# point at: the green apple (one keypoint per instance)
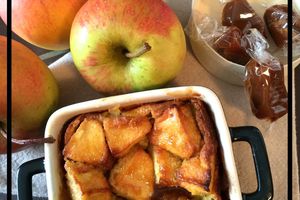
(123, 46)
(34, 93)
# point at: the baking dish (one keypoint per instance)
(52, 165)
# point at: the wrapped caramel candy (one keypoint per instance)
(265, 85)
(264, 80)
(239, 13)
(229, 46)
(276, 19)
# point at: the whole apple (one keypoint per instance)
(124, 46)
(45, 23)
(34, 93)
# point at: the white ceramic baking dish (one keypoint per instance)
(213, 62)
(53, 159)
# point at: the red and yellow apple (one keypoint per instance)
(124, 46)
(45, 23)
(34, 93)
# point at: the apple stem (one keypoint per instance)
(140, 51)
(29, 141)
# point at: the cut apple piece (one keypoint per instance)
(157, 109)
(72, 127)
(175, 132)
(74, 124)
(165, 166)
(123, 132)
(88, 144)
(103, 195)
(204, 122)
(143, 110)
(199, 193)
(199, 175)
(133, 176)
(86, 182)
(144, 142)
(190, 125)
(195, 170)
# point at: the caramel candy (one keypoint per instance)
(276, 19)
(239, 13)
(265, 86)
(229, 46)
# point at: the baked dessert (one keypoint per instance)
(163, 150)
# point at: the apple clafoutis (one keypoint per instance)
(148, 149)
(87, 182)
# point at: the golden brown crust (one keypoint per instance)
(72, 127)
(133, 176)
(123, 132)
(88, 144)
(165, 167)
(174, 132)
(190, 126)
(179, 135)
(74, 124)
(102, 194)
(199, 175)
(86, 181)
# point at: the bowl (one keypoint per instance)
(52, 164)
(213, 62)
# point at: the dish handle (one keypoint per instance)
(25, 173)
(253, 136)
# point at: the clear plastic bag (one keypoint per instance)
(276, 18)
(201, 27)
(229, 46)
(264, 83)
(264, 79)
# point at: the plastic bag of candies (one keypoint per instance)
(240, 37)
(264, 79)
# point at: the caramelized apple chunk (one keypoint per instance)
(123, 132)
(164, 150)
(165, 166)
(199, 174)
(176, 132)
(88, 144)
(72, 127)
(133, 176)
(86, 182)
(142, 110)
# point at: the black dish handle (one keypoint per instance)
(253, 136)
(25, 173)
(247, 133)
